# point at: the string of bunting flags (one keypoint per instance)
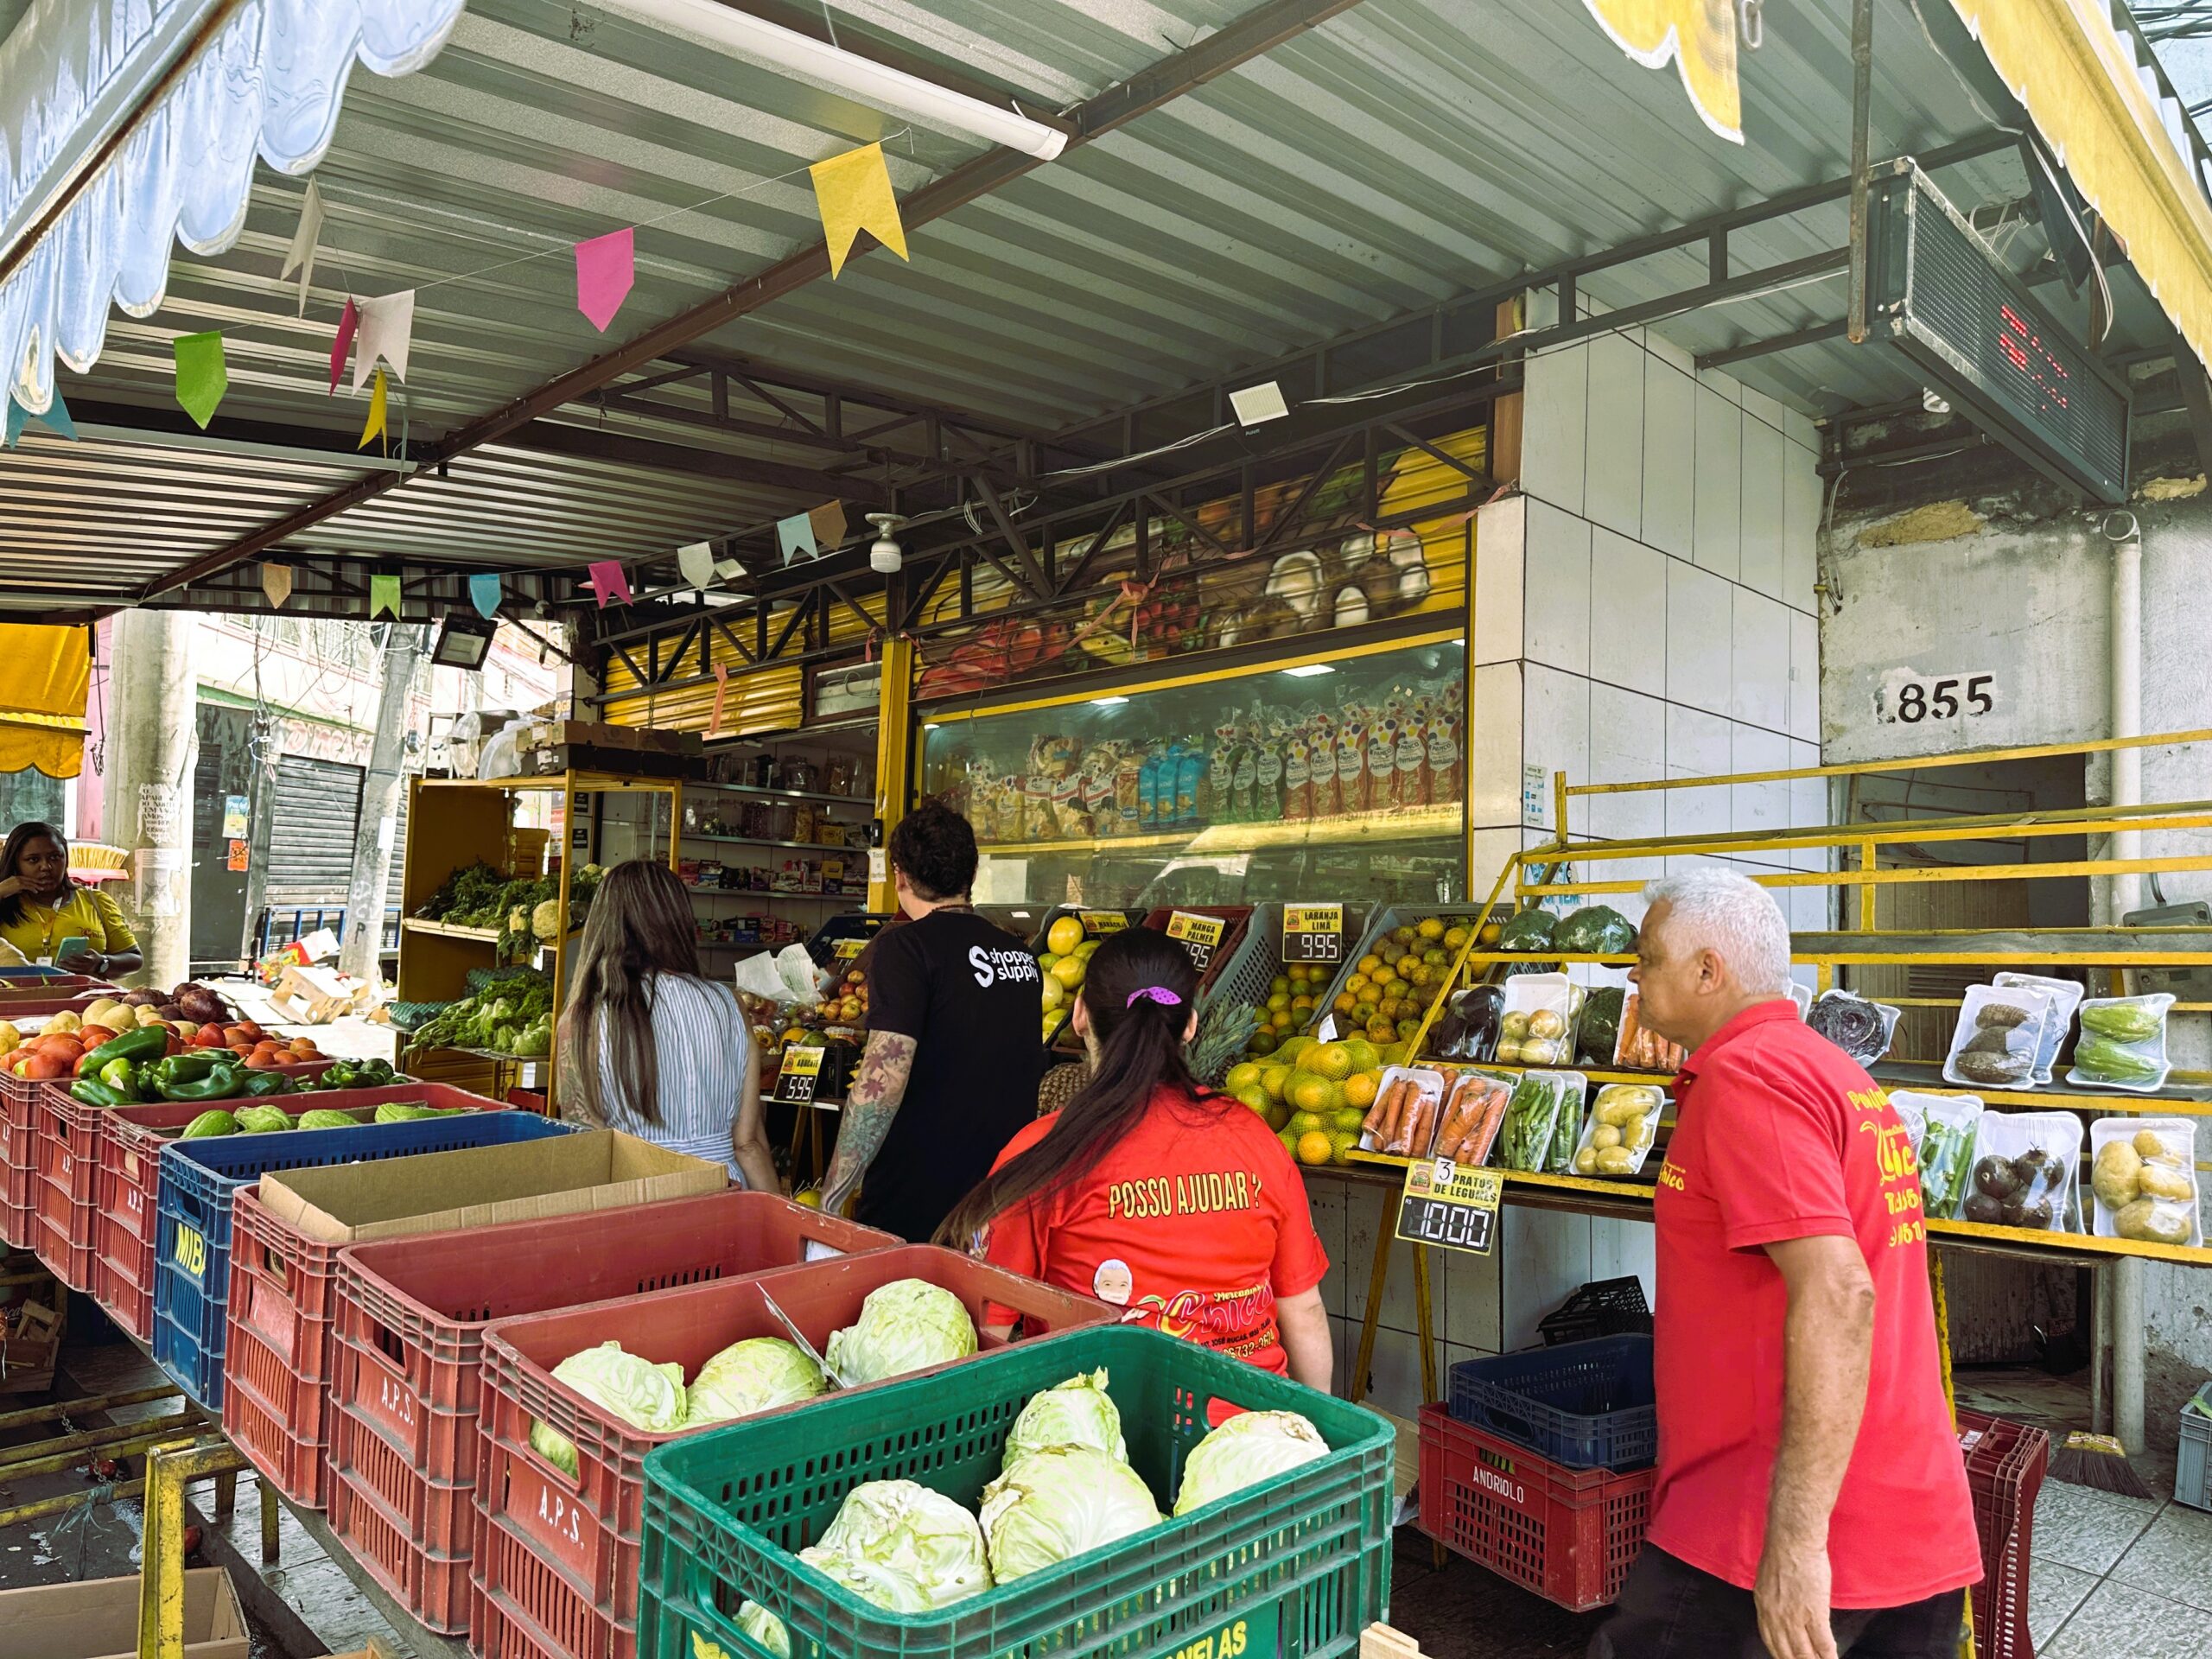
(375, 334)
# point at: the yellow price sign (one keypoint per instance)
(1312, 932)
(1199, 936)
(799, 1074)
(1100, 924)
(1451, 1206)
(846, 950)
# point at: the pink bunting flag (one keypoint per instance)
(348, 321)
(608, 582)
(606, 268)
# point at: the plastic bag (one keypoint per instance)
(1595, 930)
(2143, 1176)
(1623, 1123)
(2065, 998)
(1528, 930)
(1639, 1048)
(2023, 1174)
(1598, 1029)
(1467, 1029)
(1912, 1112)
(1474, 1112)
(1946, 1152)
(1402, 1122)
(1998, 1032)
(2123, 1044)
(1861, 1028)
(1537, 1028)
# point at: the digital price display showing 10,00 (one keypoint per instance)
(1454, 1206)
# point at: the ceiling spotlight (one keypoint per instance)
(884, 555)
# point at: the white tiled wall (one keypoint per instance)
(1662, 561)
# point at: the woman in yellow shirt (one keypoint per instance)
(42, 909)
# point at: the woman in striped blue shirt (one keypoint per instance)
(651, 1047)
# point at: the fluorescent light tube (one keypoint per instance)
(892, 90)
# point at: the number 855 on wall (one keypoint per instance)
(1907, 700)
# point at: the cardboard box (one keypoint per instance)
(483, 1186)
(99, 1619)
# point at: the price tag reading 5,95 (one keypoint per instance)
(1201, 935)
(1454, 1206)
(801, 1071)
(1312, 932)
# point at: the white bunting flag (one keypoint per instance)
(387, 330)
(300, 256)
(696, 561)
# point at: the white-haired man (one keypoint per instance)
(1810, 1500)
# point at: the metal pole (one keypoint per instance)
(2121, 530)
(81, 1407)
(1862, 99)
(160, 1560)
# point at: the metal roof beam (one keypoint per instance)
(1259, 31)
(581, 443)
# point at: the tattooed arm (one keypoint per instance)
(870, 1104)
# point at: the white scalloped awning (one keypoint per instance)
(270, 84)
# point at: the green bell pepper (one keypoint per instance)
(91, 1091)
(189, 1066)
(147, 1043)
(262, 1083)
(221, 1081)
(122, 1075)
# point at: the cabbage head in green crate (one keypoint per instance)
(883, 1587)
(644, 1395)
(904, 1326)
(758, 1374)
(920, 1533)
(1251, 1447)
(1056, 1503)
(1078, 1412)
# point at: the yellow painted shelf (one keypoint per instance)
(450, 930)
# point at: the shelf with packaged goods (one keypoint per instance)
(2193, 1098)
(755, 841)
(762, 792)
(763, 892)
(1413, 823)
(1585, 1195)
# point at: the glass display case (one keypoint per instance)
(1338, 778)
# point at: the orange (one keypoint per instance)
(1332, 1061)
(1310, 1092)
(1257, 1098)
(1290, 1141)
(1274, 1080)
(1359, 1091)
(1345, 1003)
(1313, 1147)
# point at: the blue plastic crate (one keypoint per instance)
(1587, 1404)
(192, 1245)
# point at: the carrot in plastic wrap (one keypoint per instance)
(1462, 1109)
(1417, 1126)
(1378, 1121)
(1475, 1148)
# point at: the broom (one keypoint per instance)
(2097, 1461)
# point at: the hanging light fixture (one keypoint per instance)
(883, 554)
(874, 84)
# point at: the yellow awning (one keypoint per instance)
(44, 673)
(2078, 81)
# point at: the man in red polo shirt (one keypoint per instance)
(1810, 1500)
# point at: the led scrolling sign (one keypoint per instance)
(1975, 334)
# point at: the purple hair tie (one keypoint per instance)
(1159, 994)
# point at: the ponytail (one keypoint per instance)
(1137, 997)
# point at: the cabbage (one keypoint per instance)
(921, 1534)
(1244, 1450)
(903, 1325)
(1078, 1412)
(641, 1393)
(755, 1375)
(886, 1587)
(1058, 1502)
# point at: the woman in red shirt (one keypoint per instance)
(1176, 1205)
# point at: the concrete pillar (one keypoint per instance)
(152, 745)
(2123, 894)
(375, 833)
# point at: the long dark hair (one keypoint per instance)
(11, 907)
(640, 924)
(1139, 1049)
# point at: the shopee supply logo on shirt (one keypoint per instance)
(1014, 967)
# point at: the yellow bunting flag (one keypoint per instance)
(1699, 35)
(276, 582)
(854, 191)
(375, 427)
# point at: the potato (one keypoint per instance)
(2152, 1220)
(2161, 1180)
(1616, 1160)
(1606, 1136)
(2149, 1143)
(1637, 1135)
(2115, 1178)
(1586, 1161)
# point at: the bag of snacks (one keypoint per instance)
(1946, 1152)
(2123, 1044)
(1624, 1123)
(1861, 1028)
(2023, 1174)
(2065, 997)
(2143, 1176)
(1998, 1032)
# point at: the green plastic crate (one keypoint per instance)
(1302, 1562)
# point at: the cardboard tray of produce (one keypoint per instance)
(483, 1186)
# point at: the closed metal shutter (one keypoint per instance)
(311, 832)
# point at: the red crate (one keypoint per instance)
(19, 1223)
(498, 1628)
(2005, 1463)
(1569, 1535)
(130, 1157)
(565, 1548)
(407, 1346)
(432, 1584)
(65, 1153)
(292, 1462)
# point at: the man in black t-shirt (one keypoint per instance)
(953, 1056)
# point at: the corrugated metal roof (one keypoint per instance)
(1404, 153)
